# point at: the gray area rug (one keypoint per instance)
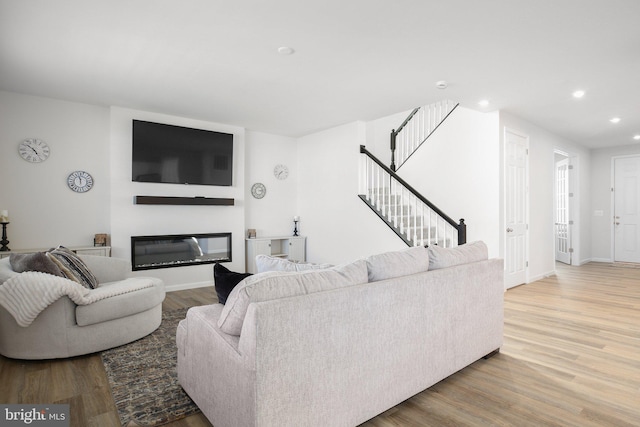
(143, 377)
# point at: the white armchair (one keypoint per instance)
(65, 329)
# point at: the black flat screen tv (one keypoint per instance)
(180, 155)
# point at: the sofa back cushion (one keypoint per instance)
(274, 285)
(398, 263)
(271, 263)
(440, 257)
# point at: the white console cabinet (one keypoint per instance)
(288, 247)
(82, 250)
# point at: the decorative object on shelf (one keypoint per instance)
(4, 215)
(258, 190)
(251, 233)
(281, 171)
(4, 241)
(80, 181)
(101, 239)
(34, 150)
(295, 225)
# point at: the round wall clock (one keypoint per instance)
(281, 172)
(34, 150)
(258, 190)
(80, 181)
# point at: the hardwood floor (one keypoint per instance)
(571, 357)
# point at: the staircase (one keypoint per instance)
(416, 129)
(416, 220)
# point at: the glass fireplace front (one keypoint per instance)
(178, 250)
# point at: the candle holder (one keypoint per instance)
(4, 240)
(295, 227)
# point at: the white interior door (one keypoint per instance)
(516, 167)
(626, 218)
(562, 227)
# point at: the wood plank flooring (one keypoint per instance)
(571, 357)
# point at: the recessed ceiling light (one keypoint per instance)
(442, 84)
(578, 94)
(285, 50)
(615, 120)
(636, 137)
(483, 103)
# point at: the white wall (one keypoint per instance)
(457, 169)
(43, 211)
(339, 226)
(273, 214)
(541, 184)
(129, 219)
(601, 199)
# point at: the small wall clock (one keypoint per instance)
(281, 172)
(80, 181)
(258, 190)
(34, 150)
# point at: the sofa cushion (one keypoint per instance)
(72, 267)
(271, 263)
(37, 261)
(225, 280)
(440, 257)
(123, 305)
(273, 285)
(398, 263)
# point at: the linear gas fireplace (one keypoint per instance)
(177, 250)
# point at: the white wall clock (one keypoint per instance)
(34, 150)
(281, 172)
(80, 181)
(258, 190)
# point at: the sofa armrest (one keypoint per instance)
(6, 272)
(212, 371)
(107, 269)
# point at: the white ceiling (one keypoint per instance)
(354, 59)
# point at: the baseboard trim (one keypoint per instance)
(185, 286)
(542, 276)
(599, 260)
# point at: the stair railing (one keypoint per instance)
(416, 129)
(416, 220)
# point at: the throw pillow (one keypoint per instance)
(72, 267)
(398, 263)
(440, 257)
(273, 285)
(225, 280)
(37, 261)
(271, 263)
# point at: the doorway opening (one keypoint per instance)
(562, 208)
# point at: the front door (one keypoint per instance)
(626, 219)
(516, 167)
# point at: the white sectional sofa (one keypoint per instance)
(337, 347)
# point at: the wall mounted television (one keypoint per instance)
(180, 155)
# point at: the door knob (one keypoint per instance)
(509, 230)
